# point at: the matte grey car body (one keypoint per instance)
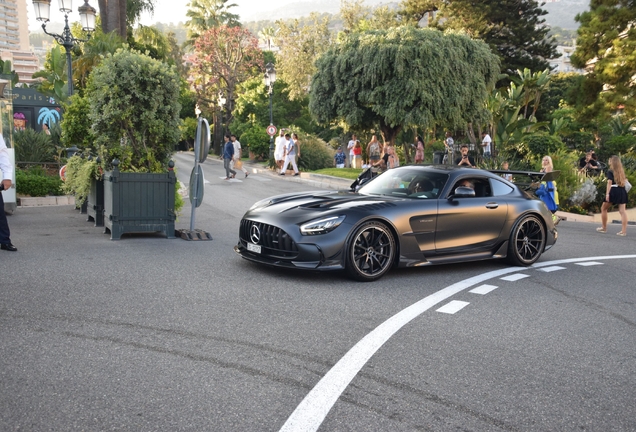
(408, 216)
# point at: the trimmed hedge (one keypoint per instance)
(36, 183)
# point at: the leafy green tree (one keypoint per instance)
(268, 35)
(54, 75)
(7, 70)
(406, 76)
(76, 125)
(606, 42)
(134, 110)
(118, 15)
(300, 46)
(514, 29)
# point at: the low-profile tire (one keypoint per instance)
(527, 241)
(371, 252)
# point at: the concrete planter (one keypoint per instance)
(95, 202)
(139, 202)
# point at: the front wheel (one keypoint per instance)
(371, 252)
(527, 241)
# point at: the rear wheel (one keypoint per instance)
(527, 241)
(371, 252)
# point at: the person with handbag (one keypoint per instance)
(616, 195)
(238, 153)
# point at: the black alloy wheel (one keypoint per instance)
(527, 241)
(371, 252)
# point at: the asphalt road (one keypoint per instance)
(150, 334)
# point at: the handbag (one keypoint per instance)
(238, 164)
(628, 185)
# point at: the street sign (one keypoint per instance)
(271, 130)
(196, 186)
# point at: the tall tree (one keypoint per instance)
(514, 29)
(401, 77)
(606, 46)
(118, 15)
(223, 58)
(206, 14)
(300, 46)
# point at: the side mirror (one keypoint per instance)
(463, 192)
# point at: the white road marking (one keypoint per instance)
(311, 412)
(232, 180)
(515, 277)
(551, 269)
(259, 178)
(483, 289)
(589, 263)
(453, 307)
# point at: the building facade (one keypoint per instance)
(14, 39)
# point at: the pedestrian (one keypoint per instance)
(296, 147)
(505, 167)
(551, 199)
(339, 158)
(389, 159)
(419, 150)
(374, 151)
(485, 144)
(290, 156)
(350, 146)
(238, 154)
(228, 155)
(357, 155)
(616, 195)
(464, 159)
(7, 175)
(279, 150)
(449, 144)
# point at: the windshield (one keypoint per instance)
(406, 182)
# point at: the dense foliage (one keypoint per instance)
(32, 146)
(134, 110)
(36, 182)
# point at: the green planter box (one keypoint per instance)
(95, 200)
(139, 202)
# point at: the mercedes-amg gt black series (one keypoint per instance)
(407, 216)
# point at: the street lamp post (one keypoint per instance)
(66, 39)
(270, 79)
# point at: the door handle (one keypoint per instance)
(492, 205)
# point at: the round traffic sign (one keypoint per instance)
(63, 173)
(271, 130)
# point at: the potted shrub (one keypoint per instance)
(134, 113)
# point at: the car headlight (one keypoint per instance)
(321, 226)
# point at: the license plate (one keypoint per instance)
(253, 248)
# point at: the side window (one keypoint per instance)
(500, 188)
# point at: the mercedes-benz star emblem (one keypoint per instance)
(255, 234)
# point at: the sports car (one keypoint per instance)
(408, 216)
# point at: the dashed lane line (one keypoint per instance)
(453, 307)
(311, 412)
(551, 269)
(515, 277)
(483, 289)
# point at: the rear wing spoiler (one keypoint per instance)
(528, 180)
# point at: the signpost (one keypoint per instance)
(271, 130)
(196, 186)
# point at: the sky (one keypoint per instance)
(166, 11)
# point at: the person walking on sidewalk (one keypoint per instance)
(238, 154)
(5, 184)
(290, 156)
(279, 149)
(228, 155)
(616, 195)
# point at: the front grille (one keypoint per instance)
(274, 242)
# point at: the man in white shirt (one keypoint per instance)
(7, 175)
(350, 147)
(485, 144)
(237, 155)
(290, 156)
(279, 149)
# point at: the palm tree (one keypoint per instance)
(54, 74)
(95, 50)
(206, 14)
(267, 35)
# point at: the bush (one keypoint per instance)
(543, 144)
(32, 146)
(36, 183)
(79, 172)
(256, 139)
(76, 126)
(134, 111)
(315, 153)
(617, 145)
